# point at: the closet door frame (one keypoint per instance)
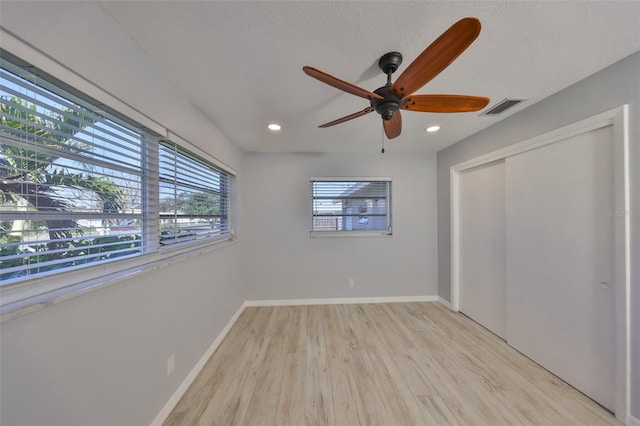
(618, 118)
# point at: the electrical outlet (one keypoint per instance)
(171, 364)
(352, 282)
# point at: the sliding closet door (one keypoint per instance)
(482, 252)
(560, 306)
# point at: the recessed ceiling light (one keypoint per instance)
(432, 129)
(274, 127)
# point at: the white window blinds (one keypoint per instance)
(344, 205)
(82, 186)
(71, 182)
(194, 197)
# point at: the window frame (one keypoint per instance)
(388, 232)
(39, 290)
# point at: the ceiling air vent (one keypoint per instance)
(503, 106)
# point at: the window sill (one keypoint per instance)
(85, 280)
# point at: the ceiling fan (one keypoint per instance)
(389, 99)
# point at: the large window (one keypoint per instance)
(351, 206)
(82, 186)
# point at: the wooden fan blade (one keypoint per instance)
(437, 56)
(345, 86)
(444, 103)
(393, 127)
(347, 118)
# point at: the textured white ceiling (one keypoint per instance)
(240, 62)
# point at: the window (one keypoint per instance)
(82, 186)
(193, 197)
(351, 206)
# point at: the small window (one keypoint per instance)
(351, 206)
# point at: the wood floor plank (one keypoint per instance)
(217, 374)
(295, 331)
(340, 370)
(491, 407)
(416, 373)
(392, 388)
(269, 375)
(290, 409)
(349, 413)
(528, 411)
(260, 416)
(435, 411)
(175, 419)
(318, 400)
(369, 396)
(230, 399)
(376, 364)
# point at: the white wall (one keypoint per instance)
(101, 358)
(284, 262)
(612, 87)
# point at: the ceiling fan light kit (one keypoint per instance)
(389, 99)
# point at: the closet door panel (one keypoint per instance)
(482, 246)
(560, 246)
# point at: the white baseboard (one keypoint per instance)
(444, 302)
(632, 421)
(175, 398)
(340, 301)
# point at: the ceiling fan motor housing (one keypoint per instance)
(389, 62)
(388, 106)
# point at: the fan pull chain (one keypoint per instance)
(382, 134)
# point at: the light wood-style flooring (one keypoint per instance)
(374, 364)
